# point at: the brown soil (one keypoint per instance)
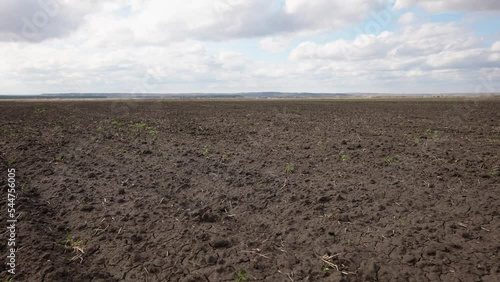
(382, 190)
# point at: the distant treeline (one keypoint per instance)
(244, 95)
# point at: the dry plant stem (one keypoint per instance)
(326, 259)
(256, 253)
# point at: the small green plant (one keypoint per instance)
(289, 168)
(495, 171)
(40, 111)
(115, 122)
(151, 130)
(70, 242)
(345, 157)
(433, 134)
(99, 128)
(417, 141)
(5, 130)
(8, 278)
(140, 125)
(321, 143)
(11, 162)
(390, 159)
(59, 157)
(206, 150)
(93, 139)
(325, 268)
(76, 246)
(241, 276)
(122, 151)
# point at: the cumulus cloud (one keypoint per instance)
(187, 66)
(38, 20)
(196, 45)
(157, 21)
(328, 14)
(411, 41)
(275, 44)
(229, 19)
(407, 18)
(421, 53)
(450, 5)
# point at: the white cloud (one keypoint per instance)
(496, 46)
(228, 19)
(196, 45)
(329, 14)
(450, 5)
(158, 21)
(407, 18)
(411, 41)
(38, 20)
(415, 53)
(276, 44)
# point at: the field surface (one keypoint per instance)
(280, 190)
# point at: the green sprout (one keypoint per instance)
(76, 246)
(39, 111)
(241, 276)
(59, 157)
(206, 150)
(390, 159)
(70, 242)
(11, 162)
(114, 122)
(325, 268)
(495, 171)
(151, 130)
(344, 157)
(140, 125)
(433, 134)
(289, 168)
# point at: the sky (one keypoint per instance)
(229, 46)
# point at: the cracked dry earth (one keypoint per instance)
(383, 190)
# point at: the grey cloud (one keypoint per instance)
(425, 48)
(38, 20)
(451, 5)
(259, 18)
